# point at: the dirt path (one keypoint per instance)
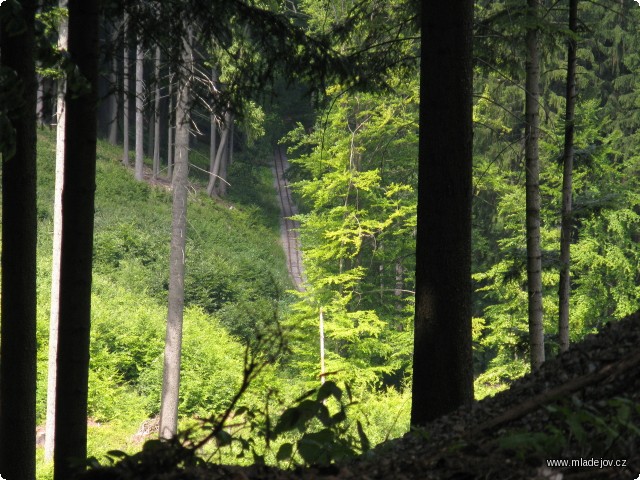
(288, 228)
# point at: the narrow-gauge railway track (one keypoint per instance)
(288, 227)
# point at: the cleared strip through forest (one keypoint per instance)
(288, 227)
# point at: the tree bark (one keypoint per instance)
(532, 166)
(139, 165)
(40, 102)
(212, 136)
(215, 170)
(567, 180)
(442, 361)
(231, 144)
(126, 108)
(77, 245)
(170, 131)
(156, 116)
(213, 139)
(18, 329)
(226, 161)
(113, 97)
(173, 340)
(49, 439)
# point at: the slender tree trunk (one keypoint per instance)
(126, 108)
(18, 326)
(40, 102)
(213, 138)
(442, 358)
(156, 116)
(532, 166)
(49, 439)
(215, 170)
(77, 245)
(152, 121)
(113, 95)
(139, 173)
(173, 341)
(567, 180)
(225, 162)
(170, 131)
(231, 143)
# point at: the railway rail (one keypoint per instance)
(288, 227)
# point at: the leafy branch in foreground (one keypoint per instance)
(314, 430)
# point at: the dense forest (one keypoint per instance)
(462, 187)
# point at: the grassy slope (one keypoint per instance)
(235, 276)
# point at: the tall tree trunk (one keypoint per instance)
(156, 116)
(532, 166)
(442, 361)
(40, 102)
(49, 439)
(173, 341)
(77, 245)
(18, 329)
(215, 170)
(139, 166)
(225, 162)
(113, 96)
(213, 139)
(170, 130)
(213, 135)
(126, 108)
(231, 144)
(149, 97)
(567, 180)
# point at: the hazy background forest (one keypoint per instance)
(353, 153)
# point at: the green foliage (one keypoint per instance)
(605, 205)
(129, 293)
(309, 432)
(356, 185)
(209, 376)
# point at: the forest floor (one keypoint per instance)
(581, 407)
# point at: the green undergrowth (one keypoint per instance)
(236, 280)
(236, 287)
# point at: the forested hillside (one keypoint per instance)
(237, 285)
(467, 206)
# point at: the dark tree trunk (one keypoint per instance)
(77, 245)
(532, 167)
(113, 93)
(442, 362)
(126, 108)
(567, 180)
(18, 335)
(40, 102)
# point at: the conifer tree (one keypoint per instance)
(442, 362)
(18, 324)
(57, 249)
(565, 234)
(532, 167)
(77, 244)
(173, 341)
